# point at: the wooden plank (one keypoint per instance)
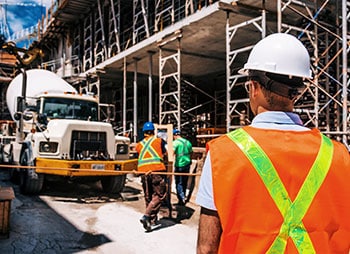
(6, 196)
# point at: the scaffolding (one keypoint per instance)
(115, 44)
(170, 85)
(237, 102)
(324, 102)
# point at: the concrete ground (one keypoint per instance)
(79, 218)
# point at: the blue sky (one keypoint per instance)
(21, 14)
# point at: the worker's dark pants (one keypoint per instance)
(181, 182)
(155, 190)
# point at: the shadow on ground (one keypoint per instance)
(178, 214)
(86, 192)
(37, 228)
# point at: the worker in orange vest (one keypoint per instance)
(275, 186)
(151, 152)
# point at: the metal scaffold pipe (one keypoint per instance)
(344, 70)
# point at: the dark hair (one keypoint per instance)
(285, 79)
(149, 132)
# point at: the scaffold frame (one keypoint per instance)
(326, 100)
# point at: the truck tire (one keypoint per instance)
(113, 184)
(30, 181)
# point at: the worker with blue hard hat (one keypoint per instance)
(148, 126)
(182, 152)
(176, 132)
(151, 151)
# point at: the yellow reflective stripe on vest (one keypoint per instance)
(292, 212)
(147, 148)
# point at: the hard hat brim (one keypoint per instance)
(245, 72)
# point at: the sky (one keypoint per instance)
(21, 14)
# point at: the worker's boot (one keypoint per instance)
(146, 222)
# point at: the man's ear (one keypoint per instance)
(254, 89)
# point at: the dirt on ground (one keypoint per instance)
(71, 217)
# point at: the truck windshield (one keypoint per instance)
(63, 108)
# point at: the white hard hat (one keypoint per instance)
(280, 54)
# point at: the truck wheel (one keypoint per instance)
(30, 181)
(113, 184)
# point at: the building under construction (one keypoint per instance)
(176, 61)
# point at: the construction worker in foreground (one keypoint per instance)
(151, 151)
(275, 186)
(182, 151)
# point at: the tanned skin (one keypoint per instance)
(209, 232)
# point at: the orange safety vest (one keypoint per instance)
(150, 154)
(251, 220)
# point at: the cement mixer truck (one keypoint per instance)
(57, 131)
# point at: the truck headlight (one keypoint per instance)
(48, 147)
(122, 149)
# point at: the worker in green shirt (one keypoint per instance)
(182, 152)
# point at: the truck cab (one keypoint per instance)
(62, 136)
